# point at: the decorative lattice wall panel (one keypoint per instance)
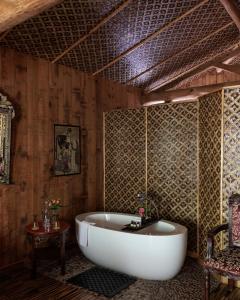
(124, 159)
(231, 146)
(210, 116)
(172, 163)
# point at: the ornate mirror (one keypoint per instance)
(6, 115)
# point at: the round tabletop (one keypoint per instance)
(41, 231)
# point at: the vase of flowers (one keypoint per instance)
(54, 206)
(143, 208)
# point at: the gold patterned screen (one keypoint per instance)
(172, 163)
(210, 116)
(124, 159)
(231, 146)
(187, 188)
(171, 167)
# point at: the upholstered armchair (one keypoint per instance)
(225, 262)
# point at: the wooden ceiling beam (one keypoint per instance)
(230, 68)
(233, 11)
(195, 69)
(184, 94)
(13, 12)
(95, 28)
(179, 52)
(150, 37)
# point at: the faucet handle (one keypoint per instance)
(141, 196)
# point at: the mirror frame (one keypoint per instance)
(7, 112)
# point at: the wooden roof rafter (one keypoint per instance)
(232, 10)
(233, 49)
(179, 52)
(123, 5)
(230, 68)
(15, 12)
(107, 44)
(150, 37)
(186, 93)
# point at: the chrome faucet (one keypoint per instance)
(141, 197)
(152, 203)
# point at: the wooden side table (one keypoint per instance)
(41, 238)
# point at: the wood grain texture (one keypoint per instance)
(44, 94)
(18, 285)
(17, 11)
(233, 11)
(209, 76)
(193, 92)
(230, 68)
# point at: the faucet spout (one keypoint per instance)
(155, 207)
(147, 202)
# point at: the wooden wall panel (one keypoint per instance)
(44, 94)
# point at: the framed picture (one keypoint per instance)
(6, 115)
(67, 150)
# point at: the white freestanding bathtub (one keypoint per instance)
(156, 252)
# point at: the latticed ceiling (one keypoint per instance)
(138, 42)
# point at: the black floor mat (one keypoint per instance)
(102, 281)
(4, 277)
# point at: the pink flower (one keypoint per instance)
(141, 211)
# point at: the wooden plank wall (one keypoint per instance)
(44, 94)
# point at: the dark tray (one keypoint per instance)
(129, 228)
(145, 224)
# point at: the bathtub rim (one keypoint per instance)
(179, 229)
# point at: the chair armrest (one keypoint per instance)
(210, 238)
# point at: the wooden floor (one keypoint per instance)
(16, 284)
(222, 293)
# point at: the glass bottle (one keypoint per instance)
(46, 217)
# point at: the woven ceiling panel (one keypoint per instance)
(53, 31)
(184, 33)
(127, 28)
(234, 60)
(50, 33)
(196, 55)
(191, 74)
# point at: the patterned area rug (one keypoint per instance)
(187, 285)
